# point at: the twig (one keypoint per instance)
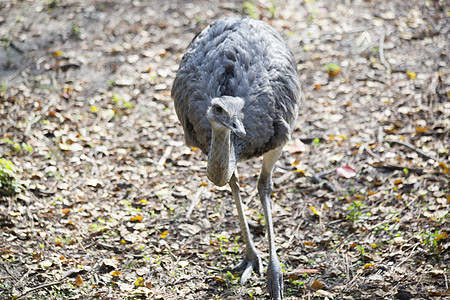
(42, 286)
(184, 280)
(317, 178)
(382, 59)
(195, 201)
(408, 145)
(391, 166)
(403, 261)
(163, 158)
(215, 269)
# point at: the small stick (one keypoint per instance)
(408, 145)
(317, 178)
(195, 201)
(164, 157)
(391, 166)
(382, 59)
(403, 261)
(42, 286)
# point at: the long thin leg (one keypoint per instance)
(265, 187)
(252, 260)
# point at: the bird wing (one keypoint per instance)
(242, 58)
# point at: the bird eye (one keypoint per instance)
(218, 109)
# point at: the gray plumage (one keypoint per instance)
(236, 94)
(242, 58)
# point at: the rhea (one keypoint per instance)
(236, 94)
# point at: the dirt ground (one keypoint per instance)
(106, 202)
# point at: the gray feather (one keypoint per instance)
(244, 58)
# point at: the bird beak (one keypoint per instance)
(237, 127)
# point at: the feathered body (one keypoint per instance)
(245, 58)
(236, 94)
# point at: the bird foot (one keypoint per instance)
(275, 279)
(248, 265)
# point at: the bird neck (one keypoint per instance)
(221, 157)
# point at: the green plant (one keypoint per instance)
(272, 9)
(76, 29)
(355, 210)
(8, 179)
(332, 69)
(250, 9)
(432, 239)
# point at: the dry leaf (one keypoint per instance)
(139, 282)
(346, 171)
(317, 285)
(137, 218)
(315, 211)
(79, 280)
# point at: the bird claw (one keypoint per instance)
(275, 280)
(247, 266)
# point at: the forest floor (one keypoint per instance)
(111, 204)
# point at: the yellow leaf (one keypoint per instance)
(164, 234)
(79, 280)
(411, 74)
(445, 169)
(94, 108)
(314, 210)
(115, 273)
(369, 265)
(57, 53)
(143, 201)
(137, 218)
(139, 281)
(421, 129)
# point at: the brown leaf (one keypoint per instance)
(79, 280)
(317, 285)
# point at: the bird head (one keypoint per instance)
(226, 113)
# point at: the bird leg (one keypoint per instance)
(265, 187)
(252, 260)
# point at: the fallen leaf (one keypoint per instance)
(164, 234)
(346, 171)
(94, 182)
(79, 280)
(44, 265)
(137, 218)
(183, 263)
(411, 74)
(142, 291)
(317, 285)
(189, 229)
(315, 211)
(139, 281)
(297, 146)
